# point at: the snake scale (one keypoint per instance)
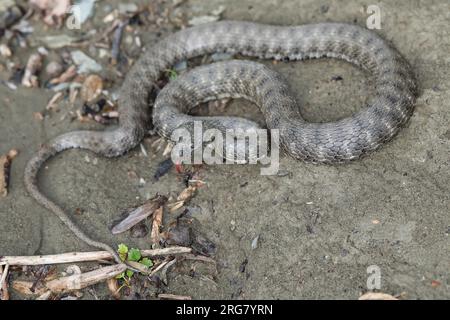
(335, 142)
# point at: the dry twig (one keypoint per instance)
(71, 257)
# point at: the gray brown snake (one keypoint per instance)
(335, 142)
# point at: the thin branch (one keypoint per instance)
(72, 257)
(4, 294)
(4, 275)
(83, 280)
(169, 296)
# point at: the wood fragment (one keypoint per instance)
(165, 269)
(72, 257)
(80, 281)
(139, 267)
(159, 267)
(193, 257)
(187, 194)
(168, 296)
(45, 296)
(156, 225)
(53, 103)
(34, 65)
(175, 206)
(4, 293)
(66, 76)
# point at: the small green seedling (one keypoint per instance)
(172, 74)
(132, 254)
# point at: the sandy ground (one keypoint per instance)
(320, 227)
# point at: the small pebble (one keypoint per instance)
(54, 69)
(255, 243)
(125, 8)
(5, 51)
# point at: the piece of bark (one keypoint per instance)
(71, 257)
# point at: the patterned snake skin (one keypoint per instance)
(341, 141)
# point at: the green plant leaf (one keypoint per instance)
(129, 273)
(147, 262)
(172, 74)
(121, 276)
(134, 255)
(122, 250)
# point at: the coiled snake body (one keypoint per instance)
(341, 141)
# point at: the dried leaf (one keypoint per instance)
(113, 287)
(138, 214)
